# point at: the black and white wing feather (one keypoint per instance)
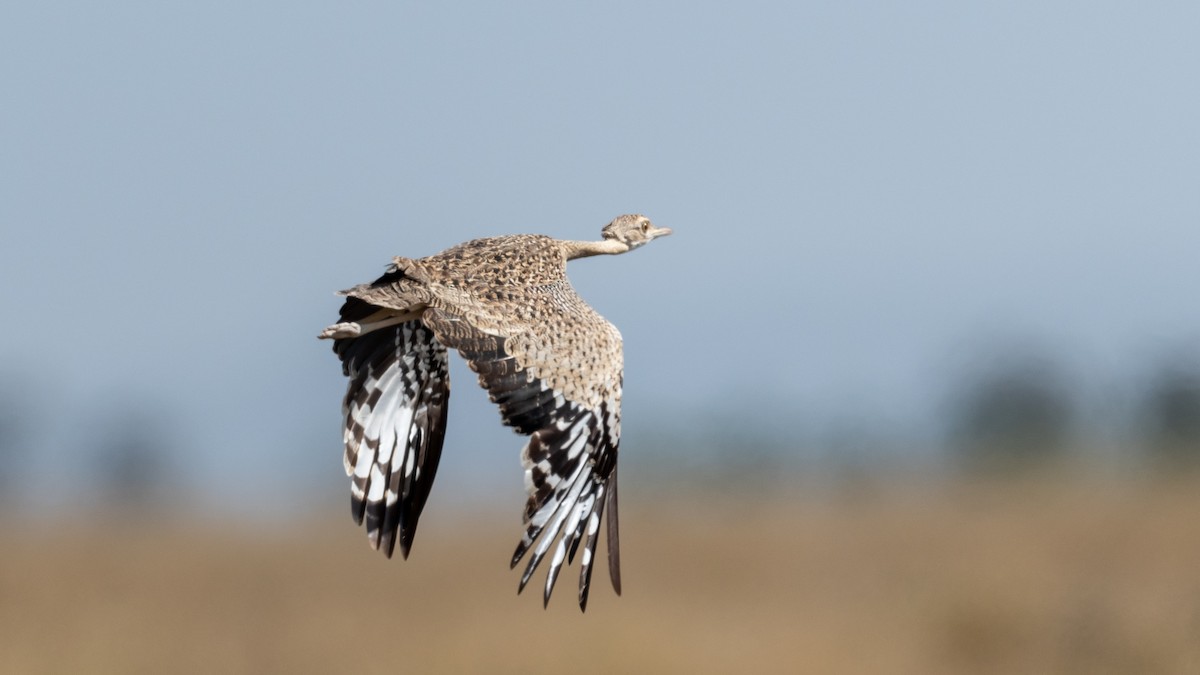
(395, 421)
(570, 460)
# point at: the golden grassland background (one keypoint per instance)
(1046, 574)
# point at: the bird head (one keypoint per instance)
(633, 230)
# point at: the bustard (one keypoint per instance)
(551, 363)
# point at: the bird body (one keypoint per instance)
(550, 362)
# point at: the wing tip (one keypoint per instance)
(406, 540)
(612, 532)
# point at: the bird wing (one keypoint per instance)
(556, 378)
(395, 422)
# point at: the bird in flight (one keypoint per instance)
(548, 360)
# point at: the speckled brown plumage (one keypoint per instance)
(548, 360)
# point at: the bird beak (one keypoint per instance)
(659, 232)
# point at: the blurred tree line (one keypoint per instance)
(1020, 410)
(123, 464)
(1013, 411)
(1016, 408)
(1171, 414)
(1012, 407)
(12, 436)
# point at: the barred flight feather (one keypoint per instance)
(395, 419)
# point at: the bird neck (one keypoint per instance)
(583, 249)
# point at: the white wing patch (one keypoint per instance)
(567, 470)
(395, 418)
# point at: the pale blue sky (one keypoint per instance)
(861, 194)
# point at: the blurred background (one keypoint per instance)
(914, 388)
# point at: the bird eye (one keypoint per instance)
(646, 226)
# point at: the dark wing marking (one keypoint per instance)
(614, 539)
(569, 459)
(395, 422)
